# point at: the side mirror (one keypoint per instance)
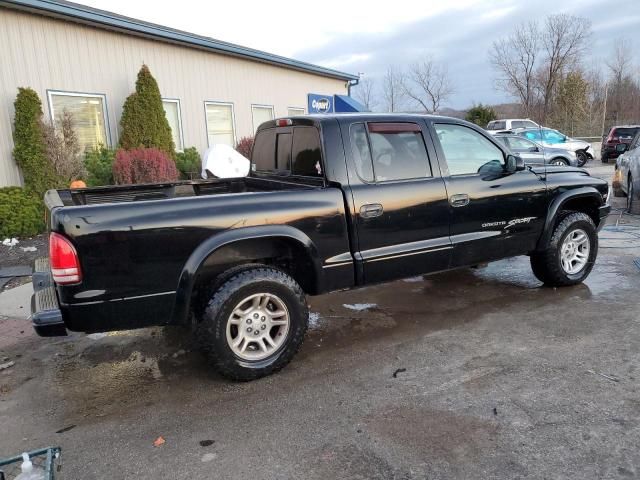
(515, 163)
(622, 147)
(534, 149)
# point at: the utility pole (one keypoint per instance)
(604, 110)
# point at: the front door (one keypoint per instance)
(401, 214)
(495, 213)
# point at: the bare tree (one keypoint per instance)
(622, 87)
(533, 60)
(428, 84)
(564, 39)
(392, 90)
(62, 148)
(515, 59)
(365, 93)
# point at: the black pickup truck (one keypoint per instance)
(332, 202)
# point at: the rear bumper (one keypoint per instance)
(46, 316)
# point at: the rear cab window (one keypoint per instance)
(391, 151)
(497, 125)
(288, 151)
(523, 124)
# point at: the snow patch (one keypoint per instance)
(359, 307)
(28, 249)
(96, 336)
(10, 242)
(314, 319)
(414, 279)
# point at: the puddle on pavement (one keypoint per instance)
(99, 375)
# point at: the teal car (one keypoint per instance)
(549, 137)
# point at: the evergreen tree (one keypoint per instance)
(571, 104)
(480, 115)
(143, 122)
(29, 147)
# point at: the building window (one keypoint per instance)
(220, 124)
(174, 117)
(261, 114)
(89, 116)
(293, 111)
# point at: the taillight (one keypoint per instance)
(65, 266)
(284, 122)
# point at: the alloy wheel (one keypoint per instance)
(574, 252)
(258, 326)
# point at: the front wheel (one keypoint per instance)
(582, 157)
(571, 253)
(560, 162)
(254, 323)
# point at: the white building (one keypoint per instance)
(86, 61)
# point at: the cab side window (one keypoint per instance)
(393, 151)
(467, 151)
(361, 152)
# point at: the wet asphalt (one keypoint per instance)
(477, 373)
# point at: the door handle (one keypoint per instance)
(459, 200)
(371, 210)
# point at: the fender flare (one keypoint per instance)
(556, 207)
(208, 247)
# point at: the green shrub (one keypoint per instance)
(189, 163)
(99, 165)
(21, 213)
(144, 122)
(481, 115)
(28, 140)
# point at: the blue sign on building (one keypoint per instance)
(319, 103)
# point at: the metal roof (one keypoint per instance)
(112, 21)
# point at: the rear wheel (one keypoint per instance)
(571, 253)
(633, 204)
(582, 157)
(605, 158)
(254, 323)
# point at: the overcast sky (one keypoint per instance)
(368, 36)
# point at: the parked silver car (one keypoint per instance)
(628, 165)
(536, 154)
(549, 137)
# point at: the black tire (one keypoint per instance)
(582, 158)
(212, 329)
(605, 158)
(546, 265)
(633, 203)
(560, 162)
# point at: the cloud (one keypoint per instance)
(462, 40)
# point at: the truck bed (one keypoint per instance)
(193, 188)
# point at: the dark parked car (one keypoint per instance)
(617, 135)
(332, 202)
(628, 165)
(535, 154)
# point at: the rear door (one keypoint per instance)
(494, 213)
(400, 209)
